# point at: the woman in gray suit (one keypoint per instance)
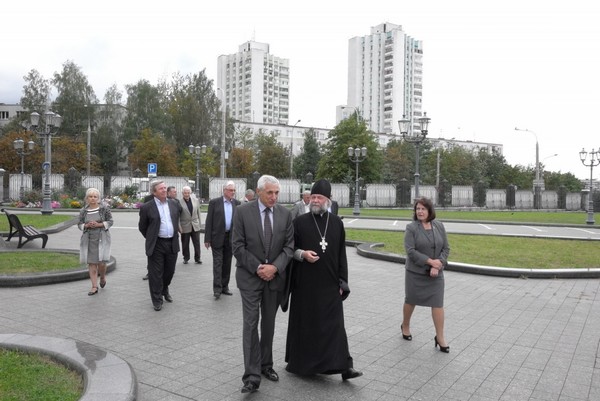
(427, 253)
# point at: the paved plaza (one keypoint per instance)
(510, 338)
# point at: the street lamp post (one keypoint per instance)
(19, 146)
(223, 105)
(594, 161)
(51, 125)
(292, 151)
(196, 151)
(537, 195)
(417, 139)
(357, 155)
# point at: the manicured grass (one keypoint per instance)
(35, 262)
(25, 377)
(548, 217)
(490, 250)
(37, 220)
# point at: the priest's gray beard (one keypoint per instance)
(320, 209)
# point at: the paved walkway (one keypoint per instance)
(510, 339)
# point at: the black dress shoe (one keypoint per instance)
(270, 374)
(198, 262)
(250, 387)
(185, 262)
(168, 297)
(351, 374)
(227, 292)
(217, 295)
(157, 307)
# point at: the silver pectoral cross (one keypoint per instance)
(323, 244)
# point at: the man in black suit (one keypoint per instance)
(159, 222)
(263, 244)
(217, 235)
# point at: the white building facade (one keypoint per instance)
(255, 84)
(385, 78)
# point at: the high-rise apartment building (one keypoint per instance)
(385, 78)
(256, 84)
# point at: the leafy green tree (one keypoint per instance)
(144, 110)
(240, 163)
(74, 95)
(308, 160)
(153, 148)
(398, 162)
(554, 180)
(193, 108)
(335, 164)
(271, 156)
(36, 92)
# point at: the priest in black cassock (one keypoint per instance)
(316, 337)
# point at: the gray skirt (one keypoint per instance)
(424, 290)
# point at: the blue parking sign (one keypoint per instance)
(152, 168)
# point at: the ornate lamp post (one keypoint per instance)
(409, 136)
(594, 161)
(196, 151)
(51, 125)
(357, 155)
(19, 146)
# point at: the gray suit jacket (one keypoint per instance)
(420, 247)
(187, 220)
(248, 245)
(298, 209)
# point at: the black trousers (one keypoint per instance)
(161, 268)
(185, 245)
(222, 265)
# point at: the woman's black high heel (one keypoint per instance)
(406, 337)
(445, 349)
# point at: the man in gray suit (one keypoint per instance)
(263, 244)
(302, 206)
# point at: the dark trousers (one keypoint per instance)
(258, 305)
(185, 245)
(222, 265)
(161, 268)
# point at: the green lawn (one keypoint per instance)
(545, 217)
(490, 250)
(37, 220)
(19, 262)
(25, 376)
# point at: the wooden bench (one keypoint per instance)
(27, 232)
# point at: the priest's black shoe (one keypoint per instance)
(270, 374)
(168, 297)
(250, 387)
(351, 374)
(227, 292)
(157, 307)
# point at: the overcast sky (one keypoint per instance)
(487, 68)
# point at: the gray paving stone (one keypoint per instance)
(510, 338)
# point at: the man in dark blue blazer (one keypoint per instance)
(263, 244)
(159, 224)
(217, 235)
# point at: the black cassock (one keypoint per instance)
(316, 338)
